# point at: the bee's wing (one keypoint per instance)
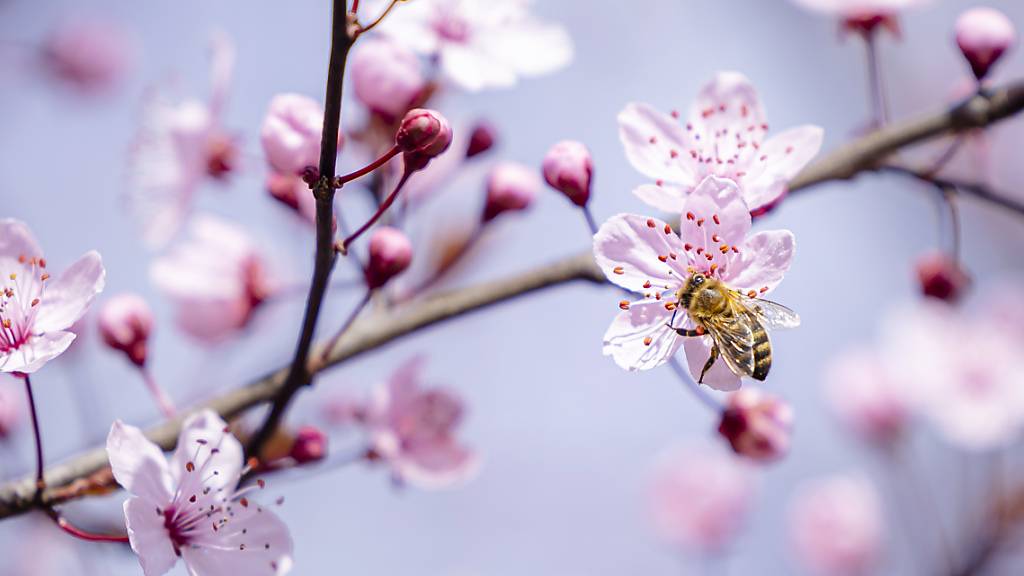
(772, 315)
(734, 336)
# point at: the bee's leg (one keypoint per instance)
(709, 363)
(688, 332)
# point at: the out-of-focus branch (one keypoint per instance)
(975, 189)
(869, 152)
(298, 375)
(88, 473)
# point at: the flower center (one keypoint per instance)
(20, 296)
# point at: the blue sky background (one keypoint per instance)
(568, 439)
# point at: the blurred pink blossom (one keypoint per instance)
(178, 146)
(310, 445)
(293, 192)
(837, 526)
(291, 133)
(35, 311)
(701, 497)
(757, 425)
(216, 277)
(511, 187)
(645, 255)
(941, 277)
(125, 322)
(568, 169)
(481, 139)
(863, 16)
(481, 44)
(386, 77)
(390, 253)
(413, 429)
(866, 395)
(91, 56)
(983, 35)
(725, 134)
(201, 515)
(11, 410)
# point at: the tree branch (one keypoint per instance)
(88, 473)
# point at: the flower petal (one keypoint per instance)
(719, 377)
(655, 144)
(37, 351)
(472, 69)
(437, 465)
(68, 297)
(255, 542)
(530, 47)
(666, 197)
(139, 465)
(149, 537)
(762, 262)
(639, 253)
(207, 443)
(784, 155)
(713, 214)
(16, 240)
(626, 340)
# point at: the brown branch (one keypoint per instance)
(298, 375)
(88, 474)
(980, 191)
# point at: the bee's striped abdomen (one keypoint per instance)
(762, 353)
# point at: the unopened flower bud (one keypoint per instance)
(89, 56)
(221, 156)
(291, 133)
(386, 77)
(422, 135)
(481, 140)
(390, 255)
(757, 425)
(941, 277)
(125, 322)
(568, 168)
(510, 187)
(983, 35)
(310, 445)
(866, 21)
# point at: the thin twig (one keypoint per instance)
(40, 486)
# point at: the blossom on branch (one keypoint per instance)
(192, 506)
(177, 148)
(725, 135)
(480, 43)
(646, 256)
(216, 276)
(37, 311)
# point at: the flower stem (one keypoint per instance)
(346, 325)
(81, 534)
(379, 19)
(343, 246)
(341, 180)
(702, 394)
(879, 100)
(40, 481)
(162, 399)
(591, 223)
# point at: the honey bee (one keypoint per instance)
(737, 323)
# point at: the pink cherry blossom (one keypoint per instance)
(701, 497)
(645, 255)
(412, 430)
(757, 425)
(36, 311)
(511, 187)
(867, 396)
(983, 35)
(192, 506)
(386, 77)
(726, 135)
(837, 527)
(91, 56)
(178, 147)
(291, 133)
(216, 277)
(11, 410)
(125, 322)
(481, 44)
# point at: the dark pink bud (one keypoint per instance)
(221, 156)
(568, 168)
(510, 187)
(422, 135)
(866, 22)
(983, 35)
(125, 322)
(310, 445)
(310, 175)
(757, 425)
(481, 140)
(390, 255)
(940, 277)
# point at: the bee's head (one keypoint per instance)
(693, 284)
